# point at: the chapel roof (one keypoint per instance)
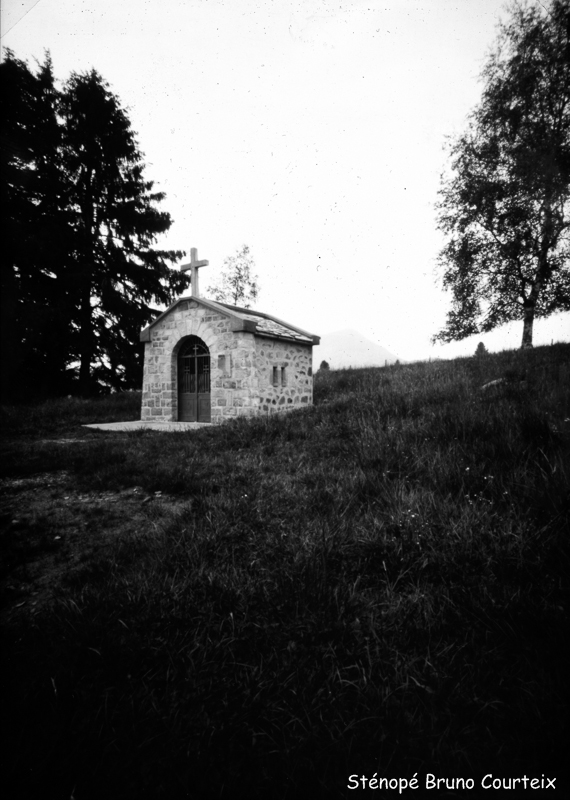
(257, 322)
(267, 325)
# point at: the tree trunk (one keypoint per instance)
(86, 344)
(528, 320)
(532, 299)
(86, 352)
(11, 334)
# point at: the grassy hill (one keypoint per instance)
(377, 585)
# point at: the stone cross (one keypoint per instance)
(193, 266)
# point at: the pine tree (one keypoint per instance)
(35, 237)
(116, 271)
(81, 268)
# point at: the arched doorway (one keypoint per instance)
(194, 381)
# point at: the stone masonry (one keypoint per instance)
(258, 365)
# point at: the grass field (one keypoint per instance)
(375, 586)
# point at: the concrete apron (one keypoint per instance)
(137, 425)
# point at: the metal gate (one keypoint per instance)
(194, 381)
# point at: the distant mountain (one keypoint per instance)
(350, 349)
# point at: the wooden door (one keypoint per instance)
(194, 381)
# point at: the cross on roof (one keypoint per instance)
(193, 266)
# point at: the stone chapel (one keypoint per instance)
(206, 361)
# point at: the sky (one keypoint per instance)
(314, 131)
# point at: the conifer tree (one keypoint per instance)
(82, 268)
(36, 233)
(116, 271)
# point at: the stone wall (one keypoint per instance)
(249, 374)
(233, 381)
(285, 372)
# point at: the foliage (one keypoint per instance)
(481, 350)
(505, 206)
(373, 585)
(82, 270)
(35, 310)
(324, 365)
(237, 284)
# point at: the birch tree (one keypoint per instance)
(504, 206)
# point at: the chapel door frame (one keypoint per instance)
(193, 386)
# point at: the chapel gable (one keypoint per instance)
(207, 362)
